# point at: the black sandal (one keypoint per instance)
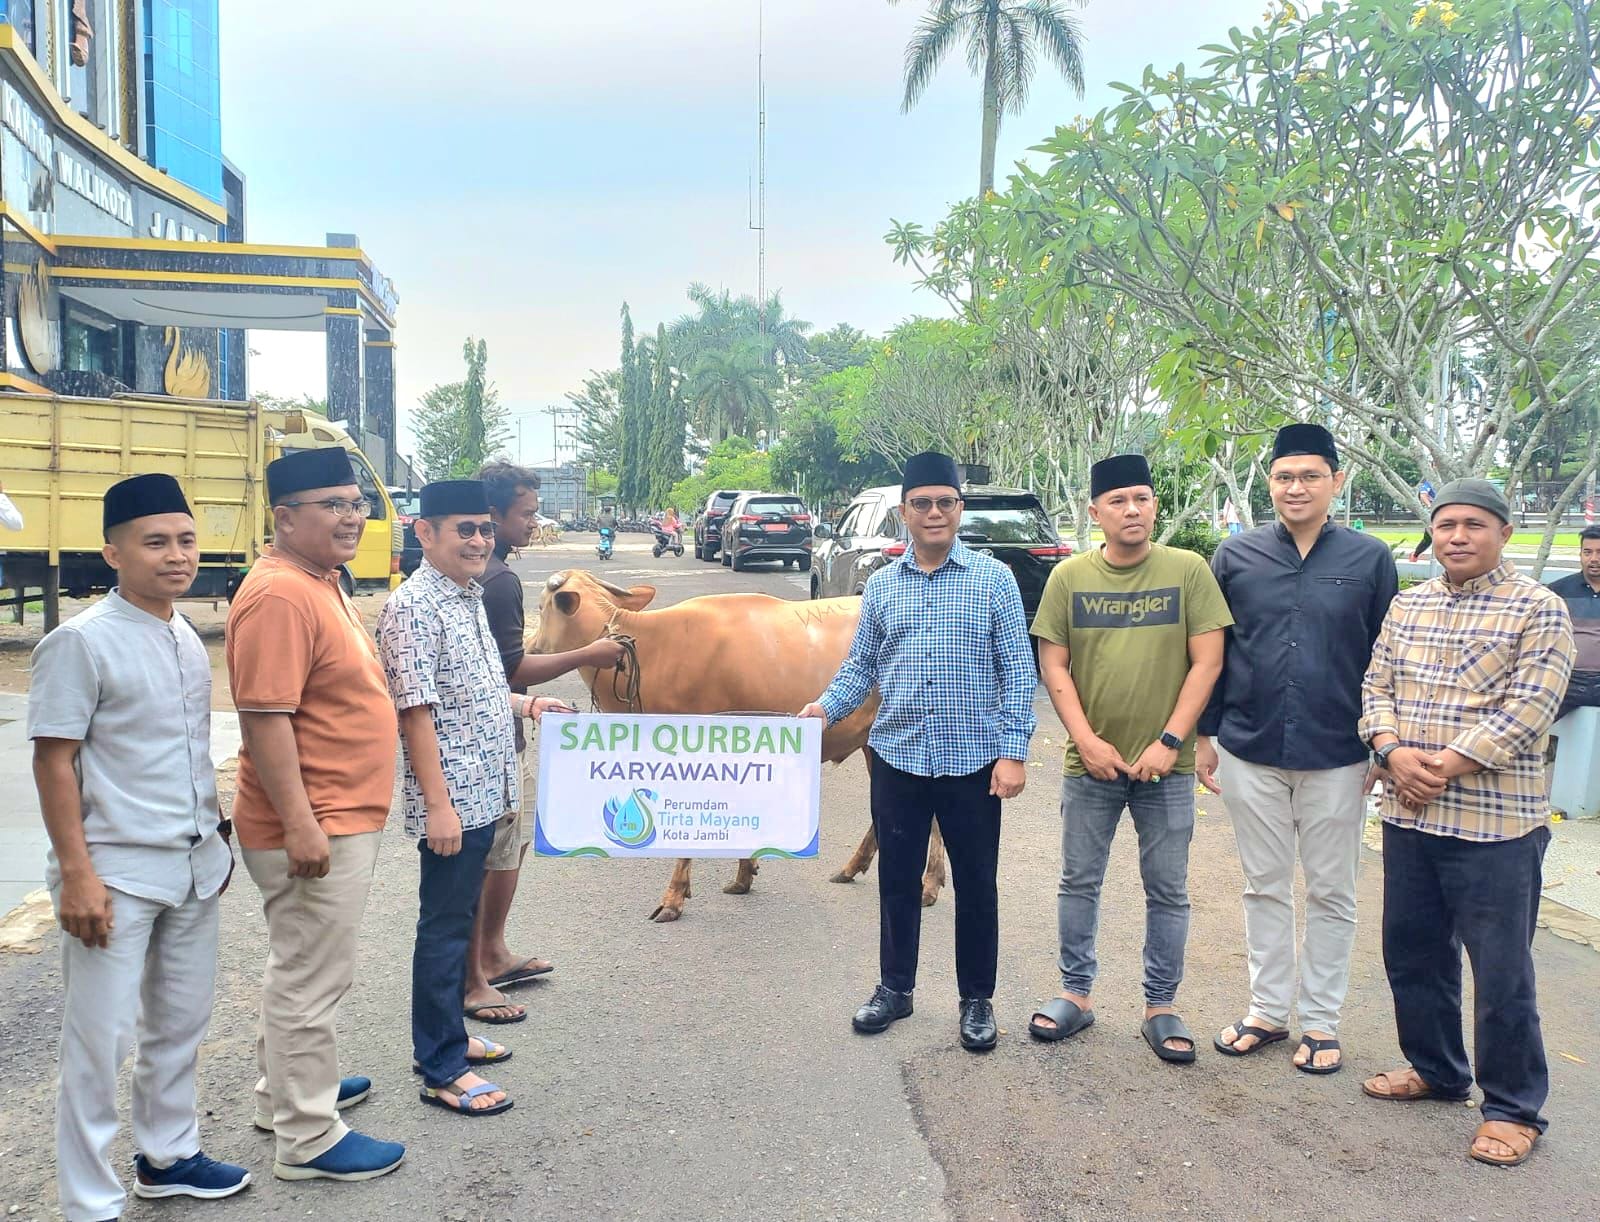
(1313, 1047)
(1159, 1028)
(1069, 1019)
(1263, 1036)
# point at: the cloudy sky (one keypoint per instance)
(521, 169)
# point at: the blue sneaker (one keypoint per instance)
(195, 1176)
(355, 1157)
(352, 1090)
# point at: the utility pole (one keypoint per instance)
(759, 224)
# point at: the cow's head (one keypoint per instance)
(575, 607)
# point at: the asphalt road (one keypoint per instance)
(707, 1070)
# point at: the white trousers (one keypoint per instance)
(155, 980)
(1276, 811)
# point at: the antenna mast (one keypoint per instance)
(760, 225)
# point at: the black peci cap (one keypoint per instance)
(1119, 471)
(930, 469)
(324, 467)
(444, 497)
(142, 496)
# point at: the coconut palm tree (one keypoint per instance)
(1003, 38)
(729, 390)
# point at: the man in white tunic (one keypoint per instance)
(119, 711)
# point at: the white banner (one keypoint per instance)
(644, 785)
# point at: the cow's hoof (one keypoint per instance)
(736, 888)
(843, 876)
(664, 915)
(930, 896)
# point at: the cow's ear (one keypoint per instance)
(638, 598)
(567, 601)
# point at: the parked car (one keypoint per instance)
(1009, 524)
(708, 536)
(407, 508)
(767, 526)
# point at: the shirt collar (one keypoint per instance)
(1501, 573)
(137, 613)
(1284, 536)
(960, 555)
(272, 553)
(438, 580)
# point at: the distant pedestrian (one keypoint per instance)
(1130, 642)
(943, 639)
(1581, 590)
(1230, 517)
(1308, 597)
(316, 774)
(1465, 679)
(119, 711)
(1425, 499)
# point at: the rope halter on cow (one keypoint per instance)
(625, 677)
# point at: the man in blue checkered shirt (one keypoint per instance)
(943, 638)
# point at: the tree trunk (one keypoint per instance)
(991, 104)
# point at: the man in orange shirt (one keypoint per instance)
(316, 774)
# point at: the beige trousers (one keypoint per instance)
(312, 928)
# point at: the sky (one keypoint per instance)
(519, 170)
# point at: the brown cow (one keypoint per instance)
(721, 653)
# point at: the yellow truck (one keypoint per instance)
(59, 454)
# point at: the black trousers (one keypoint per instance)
(1583, 691)
(1441, 893)
(904, 807)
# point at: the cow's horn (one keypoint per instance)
(615, 591)
(557, 580)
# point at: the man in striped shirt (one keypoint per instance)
(1464, 683)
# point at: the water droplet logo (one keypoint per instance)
(630, 819)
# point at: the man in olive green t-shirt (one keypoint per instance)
(1130, 644)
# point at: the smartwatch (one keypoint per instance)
(1380, 755)
(1171, 741)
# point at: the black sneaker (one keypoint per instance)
(885, 1006)
(978, 1030)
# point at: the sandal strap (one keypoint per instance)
(475, 1092)
(1316, 1045)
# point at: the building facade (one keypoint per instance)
(563, 492)
(127, 265)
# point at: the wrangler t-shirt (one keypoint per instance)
(1127, 633)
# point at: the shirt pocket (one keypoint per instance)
(1484, 669)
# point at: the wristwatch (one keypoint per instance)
(1171, 741)
(1380, 755)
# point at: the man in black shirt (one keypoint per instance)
(1582, 594)
(514, 506)
(1308, 597)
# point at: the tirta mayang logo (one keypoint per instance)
(630, 818)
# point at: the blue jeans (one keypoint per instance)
(448, 895)
(1163, 816)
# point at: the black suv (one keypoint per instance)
(708, 532)
(767, 526)
(1007, 523)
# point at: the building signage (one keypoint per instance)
(59, 160)
(171, 229)
(636, 785)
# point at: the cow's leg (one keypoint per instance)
(671, 906)
(860, 859)
(933, 876)
(742, 880)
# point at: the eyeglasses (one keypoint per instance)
(945, 504)
(467, 529)
(339, 507)
(1306, 479)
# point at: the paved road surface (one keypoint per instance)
(706, 1070)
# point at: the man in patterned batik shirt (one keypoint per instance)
(461, 775)
(943, 638)
(1457, 703)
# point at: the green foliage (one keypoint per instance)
(599, 431)
(1195, 535)
(298, 403)
(732, 463)
(461, 425)
(811, 451)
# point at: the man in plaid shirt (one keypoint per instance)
(1465, 680)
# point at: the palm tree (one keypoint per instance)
(1003, 38)
(728, 387)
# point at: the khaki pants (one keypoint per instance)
(1275, 812)
(312, 927)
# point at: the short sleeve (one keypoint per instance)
(502, 603)
(1053, 620)
(271, 643)
(408, 644)
(1207, 608)
(63, 687)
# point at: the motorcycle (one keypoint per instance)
(665, 542)
(604, 550)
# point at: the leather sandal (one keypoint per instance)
(1519, 1138)
(1403, 1085)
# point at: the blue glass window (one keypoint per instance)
(183, 92)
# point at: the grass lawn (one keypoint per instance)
(1523, 539)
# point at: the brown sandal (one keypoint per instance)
(1519, 1138)
(1404, 1085)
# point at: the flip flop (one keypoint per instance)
(521, 974)
(1159, 1028)
(435, 1097)
(1520, 1137)
(476, 1013)
(1068, 1016)
(1315, 1046)
(1263, 1037)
